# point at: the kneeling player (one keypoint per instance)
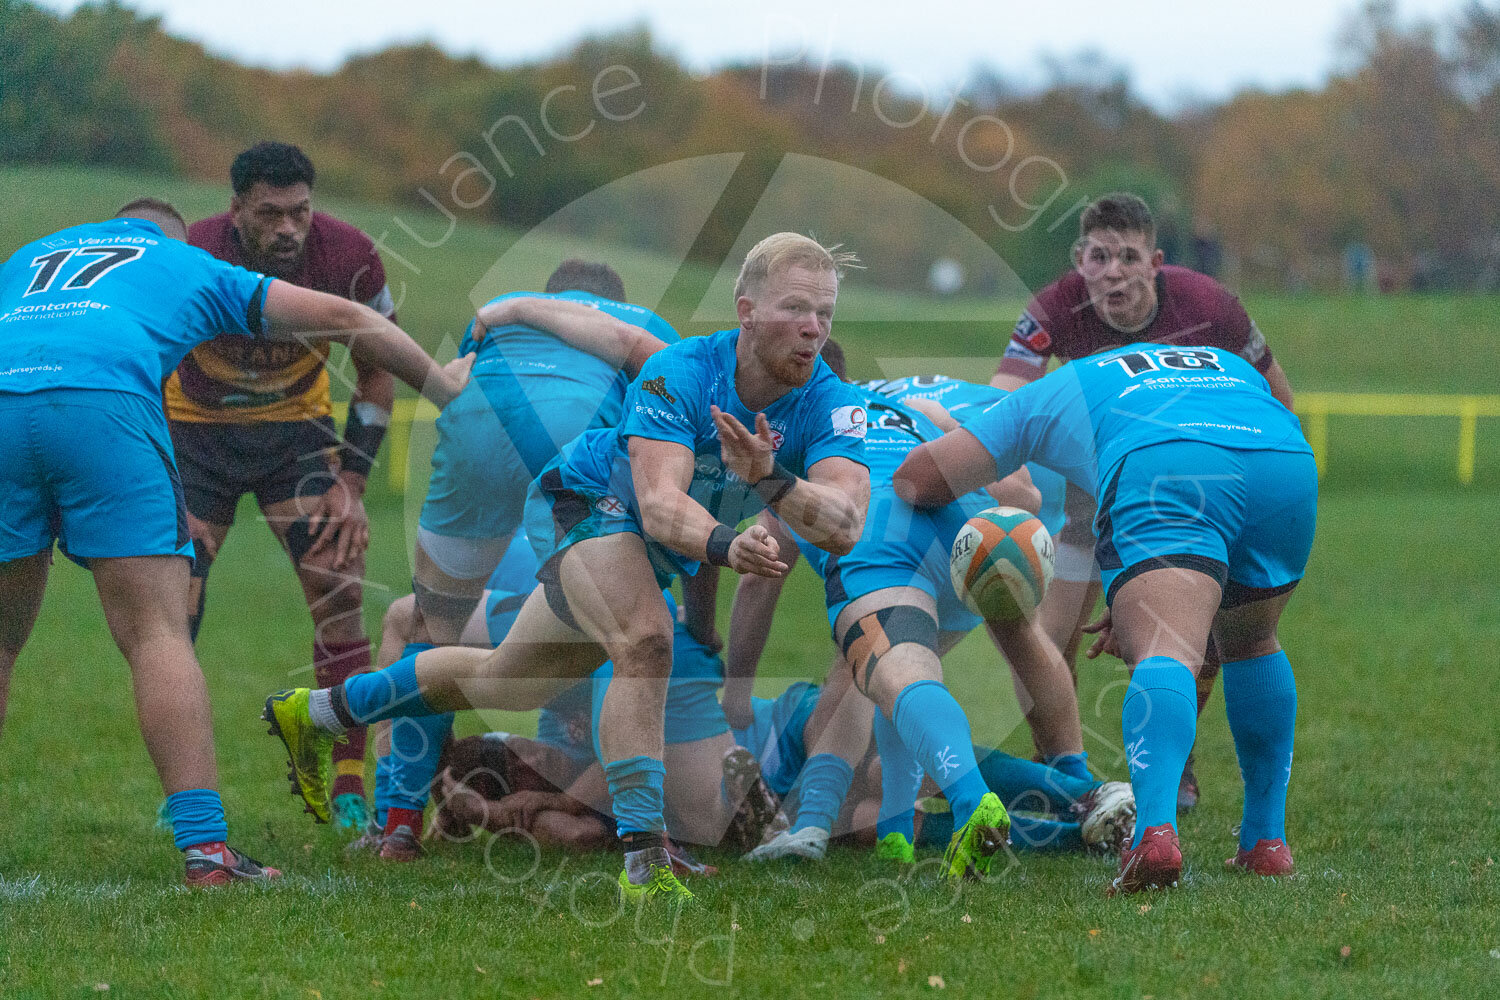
(1207, 500)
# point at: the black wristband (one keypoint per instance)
(719, 541)
(361, 442)
(777, 484)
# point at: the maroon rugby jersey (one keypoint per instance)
(233, 379)
(1192, 309)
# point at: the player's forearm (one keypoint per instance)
(676, 520)
(700, 603)
(369, 416)
(755, 602)
(825, 515)
(593, 331)
(1281, 386)
(1017, 490)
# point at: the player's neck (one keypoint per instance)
(1133, 324)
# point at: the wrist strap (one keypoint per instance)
(719, 541)
(363, 432)
(777, 484)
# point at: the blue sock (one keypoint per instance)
(385, 694)
(824, 785)
(1033, 833)
(1260, 696)
(936, 731)
(383, 768)
(900, 780)
(416, 743)
(1159, 720)
(635, 788)
(1074, 765)
(1027, 785)
(197, 817)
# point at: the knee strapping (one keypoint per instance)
(877, 633)
(444, 607)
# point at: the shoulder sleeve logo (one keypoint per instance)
(849, 421)
(658, 387)
(1031, 333)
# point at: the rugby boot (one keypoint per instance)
(810, 843)
(1267, 857)
(974, 844)
(758, 816)
(308, 748)
(1106, 816)
(209, 865)
(895, 847)
(1154, 863)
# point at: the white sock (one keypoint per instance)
(320, 707)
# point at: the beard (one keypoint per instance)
(272, 263)
(784, 368)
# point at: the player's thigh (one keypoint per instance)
(144, 598)
(694, 802)
(22, 582)
(1165, 612)
(541, 656)
(609, 585)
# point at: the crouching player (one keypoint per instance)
(92, 319)
(1207, 498)
(628, 509)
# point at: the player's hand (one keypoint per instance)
(749, 456)
(519, 810)
(202, 536)
(451, 380)
(337, 523)
(1104, 631)
(755, 550)
(492, 315)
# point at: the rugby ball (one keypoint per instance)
(1001, 564)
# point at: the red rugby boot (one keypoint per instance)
(1268, 857)
(1156, 863)
(218, 864)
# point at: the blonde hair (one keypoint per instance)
(780, 251)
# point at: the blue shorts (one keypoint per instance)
(1245, 518)
(493, 440)
(92, 469)
(693, 710)
(563, 510)
(904, 547)
(775, 737)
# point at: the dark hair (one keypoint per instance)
(490, 768)
(278, 164)
(833, 357)
(1121, 212)
(153, 209)
(574, 275)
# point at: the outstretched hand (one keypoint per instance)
(749, 456)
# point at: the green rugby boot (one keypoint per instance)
(974, 844)
(895, 847)
(351, 814)
(308, 749)
(661, 884)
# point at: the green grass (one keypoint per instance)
(1392, 814)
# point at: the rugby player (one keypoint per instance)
(1207, 502)
(253, 417)
(710, 787)
(646, 501)
(549, 366)
(94, 318)
(1120, 290)
(893, 612)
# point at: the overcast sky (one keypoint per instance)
(1173, 49)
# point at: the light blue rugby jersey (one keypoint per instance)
(1084, 418)
(548, 368)
(669, 401)
(964, 401)
(116, 305)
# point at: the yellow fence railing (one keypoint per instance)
(1313, 407)
(1316, 407)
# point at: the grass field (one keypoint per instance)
(1393, 811)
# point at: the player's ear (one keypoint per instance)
(745, 310)
(1158, 258)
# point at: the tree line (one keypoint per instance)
(1389, 174)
